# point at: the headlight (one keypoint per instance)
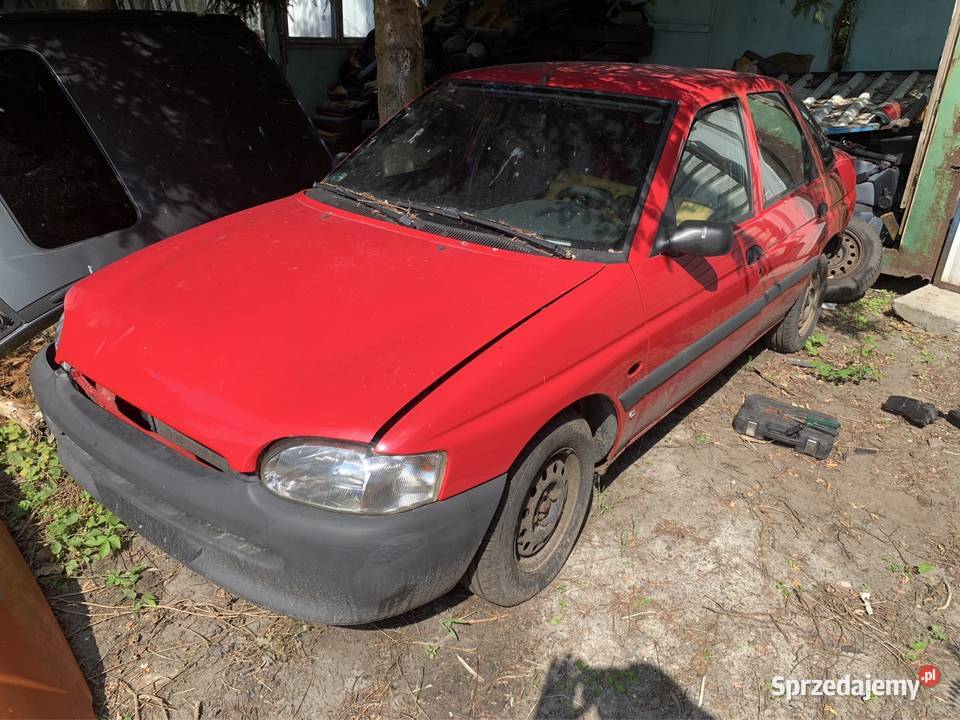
(351, 478)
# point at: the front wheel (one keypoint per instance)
(801, 320)
(540, 515)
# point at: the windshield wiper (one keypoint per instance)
(501, 228)
(390, 209)
(381, 206)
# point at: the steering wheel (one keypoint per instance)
(593, 198)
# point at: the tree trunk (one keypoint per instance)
(399, 54)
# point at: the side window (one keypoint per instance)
(785, 157)
(713, 180)
(53, 176)
(824, 146)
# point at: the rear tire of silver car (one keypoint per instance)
(540, 516)
(853, 263)
(801, 320)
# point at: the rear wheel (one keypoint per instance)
(801, 320)
(540, 516)
(853, 263)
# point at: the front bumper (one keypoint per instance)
(302, 561)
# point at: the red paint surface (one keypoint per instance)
(297, 319)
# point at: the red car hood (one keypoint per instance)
(296, 319)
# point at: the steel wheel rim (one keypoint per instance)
(847, 257)
(812, 298)
(543, 511)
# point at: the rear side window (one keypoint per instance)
(53, 176)
(713, 180)
(824, 146)
(785, 157)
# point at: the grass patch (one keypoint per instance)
(814, 343)
(126, 581)
(933, 634)
(74, 527)
(856, 370)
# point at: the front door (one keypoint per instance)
(698, 308)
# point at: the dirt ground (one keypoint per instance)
(710, 564)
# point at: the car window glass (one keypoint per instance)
(53, 177)
(785, 158)
(824, 146)
(568, 166)
(713, 180)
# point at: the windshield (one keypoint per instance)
(565, 166)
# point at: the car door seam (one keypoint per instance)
(663, 372)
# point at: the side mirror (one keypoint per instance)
(706, 239)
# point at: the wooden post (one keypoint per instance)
(399, 54)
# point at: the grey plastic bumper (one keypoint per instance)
(306, 562)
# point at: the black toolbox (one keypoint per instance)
(809, 432)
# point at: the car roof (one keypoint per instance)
(664, 82)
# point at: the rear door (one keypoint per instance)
(792, 224)
(698, 309)
(834, 188)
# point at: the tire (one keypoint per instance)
(801, 320)
(511, 567)
(854, 264)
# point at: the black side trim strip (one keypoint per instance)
(663, 372)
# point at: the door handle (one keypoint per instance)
(754, 253)
(822, 211)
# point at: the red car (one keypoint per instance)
(341, 403)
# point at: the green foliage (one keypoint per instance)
(641, 602)
(75, 528)
(878, 302)
(934, 633)
(126, 581)
(855, 371)
(450, 625)
(817, 9)
(602, 506)
(814, 343)
(907, 571)
(916, 648)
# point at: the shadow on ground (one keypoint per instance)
(641, 691)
